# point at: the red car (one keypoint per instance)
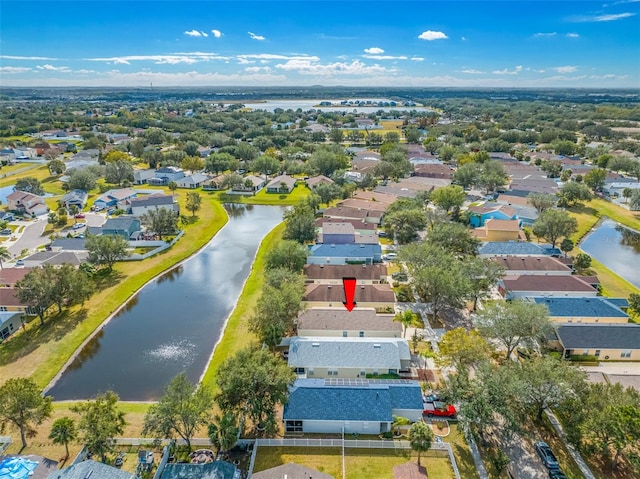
(438, 408)
(79, 216)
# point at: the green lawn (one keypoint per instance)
(236, 333)
(263, 198)
(359, 463)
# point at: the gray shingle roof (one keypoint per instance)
(346, 250)
(335, 319)
(597, 307)
(599, 336)
(497, 248)
(152, 200)
(313, 399)
(90, 468)
(371, 353)
(290, 471)
(119, 223)
(339, 271)
(531, 263)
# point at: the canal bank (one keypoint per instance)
(174, 322)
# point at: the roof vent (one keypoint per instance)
(377, 345)
(315, 345)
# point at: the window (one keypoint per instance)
(332, 372)
(626, 353)
(585, 352)
(597, 354)
(344, 334)
(393, 371)
(310, 372)
(375, 372)
(363, 373)
(299, 371)
(361, 334)
(3, 308)
(294, 426)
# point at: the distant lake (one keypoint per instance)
(617, 247)
(271, 105)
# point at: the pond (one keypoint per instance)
(617, 247)
(174, 322)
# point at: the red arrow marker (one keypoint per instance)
(349, 293)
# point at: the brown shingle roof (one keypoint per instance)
(364, 272)
(364, 204)
(334, 319)
(341, 212)
(373, 293)
(8, 297)
(338, 228)
(357, 224)
(545, 283)
(9, 276)
(373, 196)
(502, 225)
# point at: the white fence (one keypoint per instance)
(162, 245)
(349, 444)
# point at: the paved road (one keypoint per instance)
(31, 238)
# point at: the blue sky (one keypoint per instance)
(361, 43)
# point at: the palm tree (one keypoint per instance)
(173, 186)
(407, 318)
(4, 254)
(223, 432)
(63, 431)
(420, 438)
(626, 193)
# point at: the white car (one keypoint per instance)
(390, 256)
(78, 226)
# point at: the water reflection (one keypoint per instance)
(237, 210)
(173, 323)
(89, 351)
(617, 247)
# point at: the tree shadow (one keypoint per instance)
(103, 278)
(580, 208)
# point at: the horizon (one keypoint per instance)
(534, 44)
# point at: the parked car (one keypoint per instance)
(20, 263)
(78, 226)
(119, 459)
(79, 216)
(390, 256)
(546, 454)
(431, 397)
(440, 409)
(6, 232)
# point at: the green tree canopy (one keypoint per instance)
(161, 221)
(106, 249)
(573, 192)
(181, 410)
(23, 406)
(29, 185)
(454, 238)
(300, 224)
(462, 349)
(449, 197)
(553, 224)
(63, 431)
(193, 203)
(542, 201)
(287, 254)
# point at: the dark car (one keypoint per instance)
(556, 474)
(546, 454)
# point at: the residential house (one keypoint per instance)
(166, 175)
(256, 184)
(323, 357)
(92, 154)
(75, 197)
(614, 342)
(364, 205)
(362, 166)
(499, 230)
(314, 181)
(90, 468)
(213, 183)
(338, 233)
(72, 244)
(141, 177)
(516, 248)
(9, 302)
(513, 287)
(373, 196)
(333, 274)
(10, 322)
(10, 276)
(55, 258)
(524, 212)
(346, 213)
(433, 170)
(582, 310)
(350, 407)
(379, 296)
(211, 470)
(616, 188)
(116, 197)
(6, 216)
(532, 265)
(345, 253)
(27, 203)
(478, 215)
(391, 190)
(290, 471)
(338, 322)
(124, 226)
(142, 205)
(192, 181)
(359, 225)
(281, 184)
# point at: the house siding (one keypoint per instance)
(350, 427)
(614, 354)
(568, 294)
(334, 333)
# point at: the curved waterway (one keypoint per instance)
(617, 247)
(174, 322)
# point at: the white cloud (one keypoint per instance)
(52, 68)
(196, 33)
(17, 57)
(464, 39)
(374, 51)
(356, 67)
(275, 56)
(257, 69)
(550, 34)
(244, 61)
(172, 58)
(573, 35)
(216, 33)
(506, 71)
(417, 59)
(256, 37)
(430, 35)
(385, 57)
(471, 71)
(13, 70)
(566, 69)
(603, 18)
